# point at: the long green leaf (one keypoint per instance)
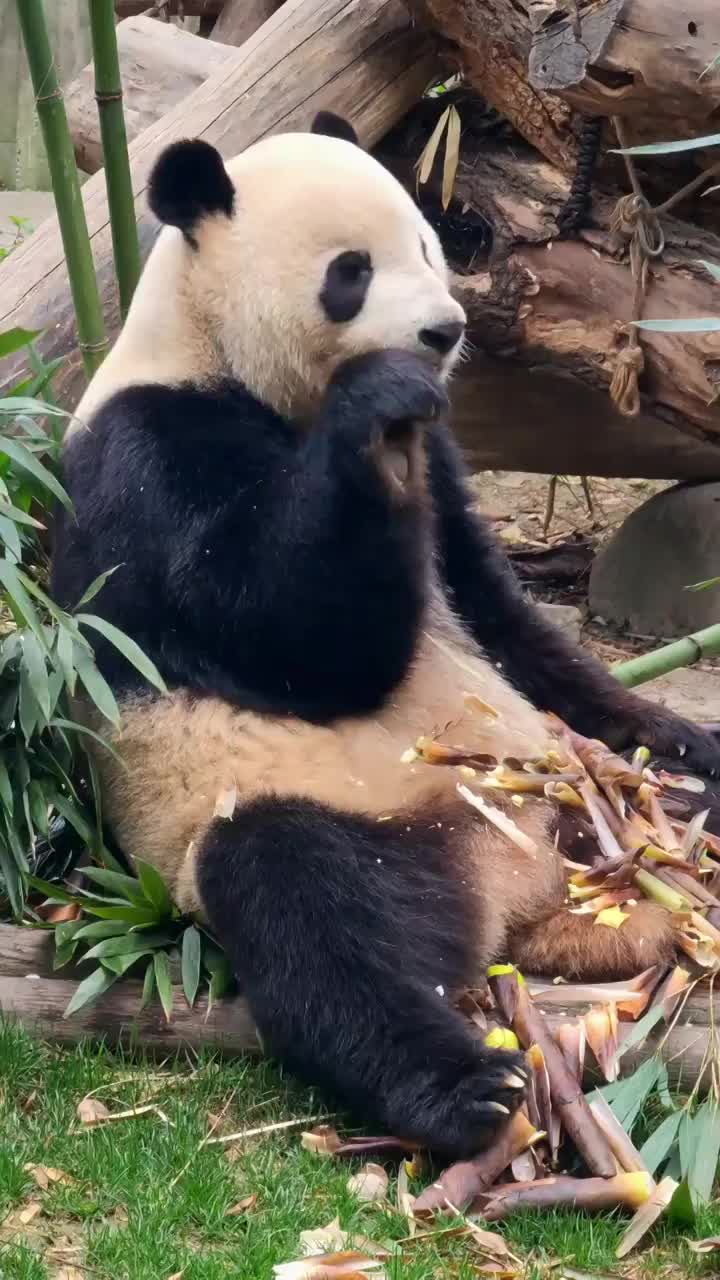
(148, 985)
(153, 887)
(130, 942)
(669, 148)
(96, 686)
(37, 672)
(14, 405)
(96, 585)
(191, 952)
(703, 1171)
(164, 985)
(12, 879)
(127, 887)
(89, 989)
(127, 647)
(27, 460)
(19, 516)
(660, 1143)
(14, 582)
(698, 324)
(102, 929)
(14, 339)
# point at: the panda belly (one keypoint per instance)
(187, 758)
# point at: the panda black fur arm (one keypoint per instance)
(282, 571)
(535, 656)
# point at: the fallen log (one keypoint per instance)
(556, 309)
(361, 58)
(160, 65)
(241, 18)
(536, 63)
(36, 995)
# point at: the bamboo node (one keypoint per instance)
(108, 97)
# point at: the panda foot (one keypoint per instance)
(457, 1120)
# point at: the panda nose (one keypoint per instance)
(442, 337)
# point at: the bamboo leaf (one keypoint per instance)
(96, 586)
(14, 405)
(427, 159)
(162, 977)
(127, 943)
(629, 1097)
(64, 654)
(95, 684)
(10, 537)
(148, 985)
(702, 324)
(191, 949)
(89, 989)
(452, 156)
(12, 879)
(102, 929)
(707, 1153)
(681, 1209)
(127, 647)
(669, 148)
(13, 581)
(660, 1143)
(120, 964)
(37, 672)
(6, 791)
(153, 887)
(53, 892)
(14, 339)
(22, 456)
(18, 516)
(126, 887)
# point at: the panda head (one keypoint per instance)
(297, 254)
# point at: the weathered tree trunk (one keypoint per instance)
(554, 308)
(35, 994)
(241, 18)
(638, 58)
(358, 57)
(160, 65)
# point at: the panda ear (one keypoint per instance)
(332, 126)
(189, 181)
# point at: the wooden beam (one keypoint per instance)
(32, 993)
(362, 58)
(160, 66)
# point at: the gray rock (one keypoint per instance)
(566, 617)
(640, 578)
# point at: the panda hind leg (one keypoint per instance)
(575, 948)
(347, 934)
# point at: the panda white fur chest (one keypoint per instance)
(265, 457)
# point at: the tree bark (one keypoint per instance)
(536, 63)
(554, 309)
(241, 18)
(160, 65)
(32, 992)
(358, 57)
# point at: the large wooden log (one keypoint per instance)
(160, 65)
(31, 992)
(359, 57)
(241, 18)
(638, 58)
(554, 308)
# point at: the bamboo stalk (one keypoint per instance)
(121, 203)
(50, 107)
(681, 653)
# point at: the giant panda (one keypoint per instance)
(264, 460)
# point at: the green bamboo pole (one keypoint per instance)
(108, 94)
(50, 106)
(681, 653)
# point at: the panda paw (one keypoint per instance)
(672, 736)
(457, 1119)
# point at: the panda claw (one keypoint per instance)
(494, 1106)
(515, 1081)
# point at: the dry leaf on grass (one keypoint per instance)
(243, 1206)
(91, 1110)
(332, 1239)
(30, 1211)
(331, 1266)
(44, 1176)
(176, 1275)
(371, 1183)
(709, 1245)
(70, 1273)
(323, 1140)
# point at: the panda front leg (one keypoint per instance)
(347, 936)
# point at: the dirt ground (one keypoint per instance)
(516, 502)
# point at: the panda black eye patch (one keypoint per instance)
(347, 281)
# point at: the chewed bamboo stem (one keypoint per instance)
(681, 653)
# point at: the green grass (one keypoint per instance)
(147, 1200)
